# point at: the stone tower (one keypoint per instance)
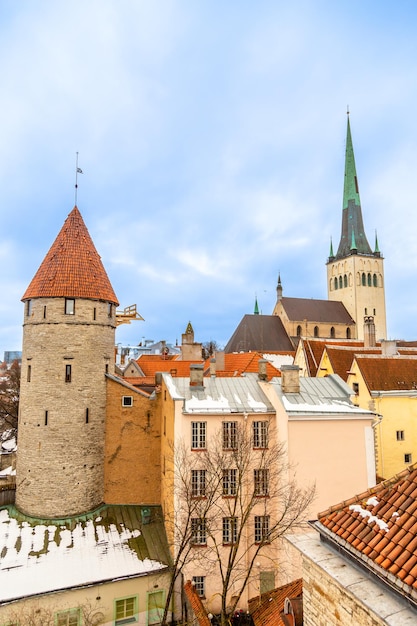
(68, 346)
(355, 274)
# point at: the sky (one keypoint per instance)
(211, 136)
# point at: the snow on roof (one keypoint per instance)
(277, 360)
(41, 556)
(9, 445)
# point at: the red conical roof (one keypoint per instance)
(72, 268)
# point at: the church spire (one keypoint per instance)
(352, 222)
(256, 310)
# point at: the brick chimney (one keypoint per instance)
(290, 379)
(213, 368)
(389, 347)
(220, 366)
(369, 340)
(196, 375)
(262, 375)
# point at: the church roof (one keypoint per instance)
(353, 239)
(72, 268)
(321, 311)
(259, 332)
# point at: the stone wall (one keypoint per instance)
(132, 466)
(60, 462)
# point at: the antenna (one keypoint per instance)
(78, 170)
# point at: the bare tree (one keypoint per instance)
(249, 492)
(29, 614)
(9, 398)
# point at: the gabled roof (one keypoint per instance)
(43, 556)
(378, 529)
(313, 350)
(320, 311)
(341, 357)
(72, 268)
(267, 609)
(398, 373)
(152, 363)
(238, 363)
(196, 604)
(259, 332)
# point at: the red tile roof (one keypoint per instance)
(341, 357)
(72, 268)
(196, 604)
(152, 363)
(238, 363)
(398, 373)
(379, 527)
(314, 348)
(266, 610)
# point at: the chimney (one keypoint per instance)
(196, 375)
(220, 366)
(369, 340)
(213, 368)
(262, 375)
(389, 347)
(290, 379)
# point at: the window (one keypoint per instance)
(355, 387)
(260, 434)
(69, 306)
(400, 435)
(363, 279)
(369, 280)
(332, 332)
(44, 312)
(198, 531)
(126, 611)
(316, 331)
(127, 400)
(156, 605)
(68, 373)
(408, 458)
(198, 483)
(199, 584)
(261, 528)
(336, 284)
(340, 282)
(261, 480)
(87, 416)
(229, 530)
(46, 418)
(198, 435)
(347, 333)
(229, 482)
(345, 281)
(68, 618)
(28, 307)
(29, 373)
(229, 435)
(94, 313)
(298, 331)
(375, 280)
(109, 309)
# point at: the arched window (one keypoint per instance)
(369, 280)
(332, 332)
(345, 281)
(316, 331)
(375, 281)
(340, 282)
(298, 331)
(335, 283)
(364, 279)
(347, 333)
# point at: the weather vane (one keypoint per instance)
(78, 170)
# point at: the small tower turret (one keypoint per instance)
(68, 346)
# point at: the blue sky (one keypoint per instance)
(211, 136)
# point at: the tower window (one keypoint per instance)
(44, 312)
(332, 332)
(369, 280)
(29, 373)
(340, 282)
(46, 418)
(316, 331)
(68, 373)
(363, 279)
(94, 314)
(345, 282)
(335, 283)
(29, 307)
(109, 309)
(69, 306)
(375, 280)
(87, 416)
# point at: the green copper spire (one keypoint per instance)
(352, 223)
(256, 311)
(331, 254)
(376, 250)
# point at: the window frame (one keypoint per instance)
(68, 373)
(408, 458)
(198, 531)
(229, 435)
(229, 482)
(260, 434)
(69, 307)
(198, 483)
(132, 618)
(261, 529)
(68, 613)
(199, 584)
(400, 435)
(125, 402)
(261, 482)
(229, 530)
(198, 435)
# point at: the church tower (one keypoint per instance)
(355, 274)
(68, 347)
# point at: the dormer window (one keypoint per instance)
(69, 306)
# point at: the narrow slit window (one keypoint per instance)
(46, 418)
(87, 415)
(29, 373)
(68, 373)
